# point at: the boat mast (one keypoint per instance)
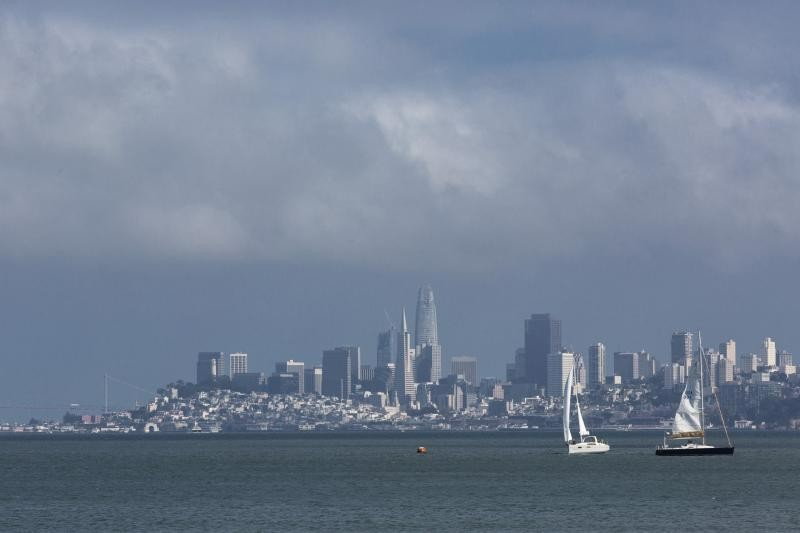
(722, 418)
(719, 407)
(702, 392)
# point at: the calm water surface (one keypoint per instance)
(367, 481)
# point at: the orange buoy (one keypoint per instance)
(422, 449)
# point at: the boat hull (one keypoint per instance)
(581, 448)
(722, 450)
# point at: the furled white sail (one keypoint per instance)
(688, 417)
(567, 399)
(581, 426)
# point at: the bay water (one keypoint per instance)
(377, 482)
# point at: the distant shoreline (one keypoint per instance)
(387, 433)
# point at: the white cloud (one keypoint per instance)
(442, 135)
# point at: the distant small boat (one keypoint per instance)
(422, 450)
(689, 423)
(588, 442)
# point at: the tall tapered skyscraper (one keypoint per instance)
(404, 364)
(428, 349)
(426, 330)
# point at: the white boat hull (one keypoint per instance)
(588, 447)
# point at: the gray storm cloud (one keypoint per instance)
(273, 144)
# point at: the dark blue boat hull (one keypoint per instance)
(723, 450)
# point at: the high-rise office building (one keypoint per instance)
(463, 365)
(711, 372)
(486, 386)
(428, 368)
(511, 373)
(542, 338)
(387, 374)
(558, 367)
(337, 372)
(596, 372)
(519, 366)
(724, 371)
(210, 366)
(459, 397)
(784, 358)
(387, 341)
(674, 375)
(282, 383)
(681, 348)
(422, 364)
(727, 350)
(293, 367)
(769, 353)
(647, 365)
(626, 366)
(404, 364)
(580, 373)
(428, 349)
(748, 363)
(312, 380)
(238, 364)
(247, 381)
(366, 373)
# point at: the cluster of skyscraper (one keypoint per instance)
(724, 364)
(211, 369)
(422, 361)
(415, 378)
(408, 371)
(542, 365)
(288, 376)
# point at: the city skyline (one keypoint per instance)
(540, 367)
(539, 370)
(681, 349)
(224, 361)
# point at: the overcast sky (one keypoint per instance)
(178, 177)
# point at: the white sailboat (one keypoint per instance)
(689, 424)
(588, 443)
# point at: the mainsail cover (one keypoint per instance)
(567, 399)
(687, 419)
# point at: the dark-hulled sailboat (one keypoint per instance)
(689, 424)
